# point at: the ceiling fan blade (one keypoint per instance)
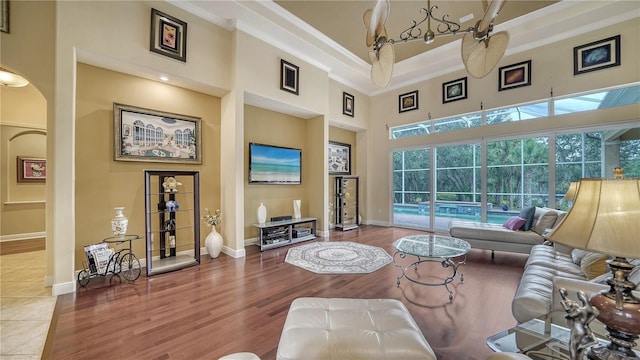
(490, 15)
(382, 65)
(481, 59)
(375, 21)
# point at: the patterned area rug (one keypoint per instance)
(338, 257)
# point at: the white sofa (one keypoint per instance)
(496, 237)
(550, 268)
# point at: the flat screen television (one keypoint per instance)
(270, 164)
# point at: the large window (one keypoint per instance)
(411, 187)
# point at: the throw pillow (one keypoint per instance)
(527, 214)
(545, 221)
(514, 223)
(594, 265)
(578, 254)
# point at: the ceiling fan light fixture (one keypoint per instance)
(11, 79)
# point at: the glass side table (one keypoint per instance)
(541, 338)
(431, 248)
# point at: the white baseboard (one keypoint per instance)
(63, 288)
(25, 236)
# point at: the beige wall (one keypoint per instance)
(101, 182)
(552, 67)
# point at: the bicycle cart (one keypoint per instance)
(102, 260)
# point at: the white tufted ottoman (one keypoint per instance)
(319, 328)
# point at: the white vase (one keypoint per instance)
(213, 243)
(296, 209)
(262, 214)
(119, 222)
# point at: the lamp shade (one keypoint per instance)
(605, 218)
(571, 193)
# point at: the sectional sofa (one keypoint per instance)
(497, 237)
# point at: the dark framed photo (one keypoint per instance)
(31, 169)
(454, 90)
(4, 16)
(289, 77)
(168, 36)
(155, 136)
(597, 55)
(514, 76)
(408, 101)
(347, 104)
(339, 158)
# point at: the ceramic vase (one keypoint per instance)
(262, 214)
(213, 243)
(119, 222)
(296, 209)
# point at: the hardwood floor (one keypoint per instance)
(228, 305)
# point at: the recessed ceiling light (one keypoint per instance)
(164, 78)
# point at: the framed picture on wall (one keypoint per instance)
(4, 16)
(149, 135)
(347, 104)
(597, 55)
(289, 79)
(408, 101)
(168, 36)
(31, 169)
(514, 75)
(339, 158)
(454, 90)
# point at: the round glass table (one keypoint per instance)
(430, 248)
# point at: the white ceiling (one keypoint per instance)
(334, 46)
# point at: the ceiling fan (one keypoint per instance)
(481, 50)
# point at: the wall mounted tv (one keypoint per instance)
(270, 164)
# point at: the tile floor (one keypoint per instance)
(26, 306)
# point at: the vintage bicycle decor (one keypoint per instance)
(102, 260)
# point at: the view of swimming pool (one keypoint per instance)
(420, 214)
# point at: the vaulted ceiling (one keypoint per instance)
(330, 34)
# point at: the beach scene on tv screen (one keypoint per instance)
(271, 164)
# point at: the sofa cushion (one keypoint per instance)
(594, 265)
(514, 223)
(527, 213)
(545, 220)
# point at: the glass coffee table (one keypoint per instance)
(430, 248)
(546, 337)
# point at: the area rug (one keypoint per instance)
(338, 257)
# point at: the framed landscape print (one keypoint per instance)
(454, 90)
(168, 36)
(408, 101)
(347, 104)
(289, 79)
(597, 55)
(339, 158)
(31, 169)
(514, 76)
(155, 136)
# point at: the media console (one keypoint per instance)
(274, 234)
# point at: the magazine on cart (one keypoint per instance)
(98, 256)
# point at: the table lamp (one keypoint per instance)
(571, 193)
(605, 218)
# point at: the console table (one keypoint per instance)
(274, 234)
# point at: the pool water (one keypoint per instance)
(493, 217)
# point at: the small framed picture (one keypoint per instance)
(597, 55)
(339, 158)
(454, 90)
(408, 101)
(31, 169)
(514, 76)
(4, 16)
(168, 36)
(289, 79)
(347, 104)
